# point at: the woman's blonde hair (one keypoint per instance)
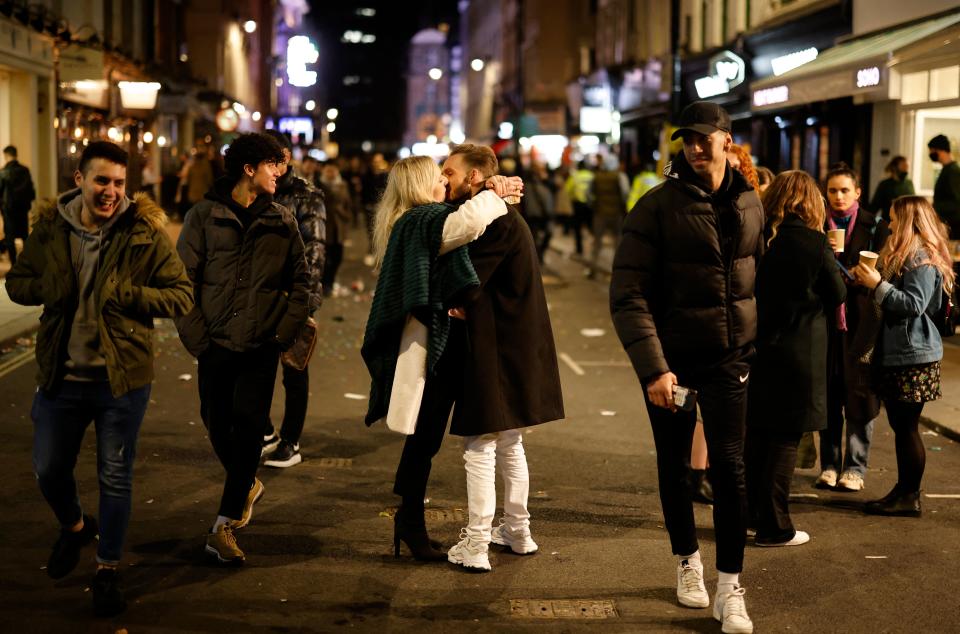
(916, 227)
(409, 185)
(793, 192)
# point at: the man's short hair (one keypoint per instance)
(939, 142)
(251, 149)
(281, 138)
(102, 150)
(10, 151)
(478, 157)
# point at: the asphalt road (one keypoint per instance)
(319, 551)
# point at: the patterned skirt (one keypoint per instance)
(910, 383)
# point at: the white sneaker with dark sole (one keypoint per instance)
(827, 479)
(520, 542)
(691, 592)
(850, 481)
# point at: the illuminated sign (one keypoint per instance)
(139, 95)
(300, 126)
(729, 71)
(868, 77)
(771, 96)
(300, 52)
(596, 119)
(786, 63)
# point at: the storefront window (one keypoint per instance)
(929, 123)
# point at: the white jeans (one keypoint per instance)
(483, 455)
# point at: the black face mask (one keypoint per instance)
(934, 156)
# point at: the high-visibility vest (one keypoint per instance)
(578, 185)
(642, 183)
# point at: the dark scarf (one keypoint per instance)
(850, 216)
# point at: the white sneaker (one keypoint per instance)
(690, 589)
(520, 542)
(730, 609)
(850, 481)
(827, 479)
(799, 538)
(470, 553)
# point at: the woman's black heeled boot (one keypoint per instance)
(904, 503)
(412, 531)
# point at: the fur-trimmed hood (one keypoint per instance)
(145, 208)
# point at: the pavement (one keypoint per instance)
(319, 548)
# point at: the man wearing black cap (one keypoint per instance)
(946, 192)
(681, 297)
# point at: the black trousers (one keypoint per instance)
(770, 459)
(722, 394)
(331, 265)
(236, 389)
(582, 217)
(296, 389)
(439, 395)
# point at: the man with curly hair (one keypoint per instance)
(244, 254)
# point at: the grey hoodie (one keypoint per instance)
(85, 360)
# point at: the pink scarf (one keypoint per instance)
(850, 213)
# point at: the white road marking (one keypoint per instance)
(573, 365)
(943, 496)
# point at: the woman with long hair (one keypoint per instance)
(907, 288)
(895, 185)
(412, 343)
(798, 281)
(851, 410)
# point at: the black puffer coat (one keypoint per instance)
(683, 276)
(250, 284)
(306, 203)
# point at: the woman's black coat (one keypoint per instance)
(797, 281)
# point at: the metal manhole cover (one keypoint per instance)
(563, 609)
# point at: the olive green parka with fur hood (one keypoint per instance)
(139, 277)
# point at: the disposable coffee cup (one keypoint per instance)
(869, 258)
(839, 236)
(511, 200)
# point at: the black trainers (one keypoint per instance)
(270, 442)
(107, 597)
(285, 455)
(66, 551)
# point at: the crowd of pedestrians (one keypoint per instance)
(755, 308)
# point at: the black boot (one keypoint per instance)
(107, 597)
(895, 503)
(411, 529)
(700, 488)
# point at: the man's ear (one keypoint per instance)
(78, 178)
(476, 177)
(249, 170)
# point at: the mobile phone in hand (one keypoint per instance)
(684, 398)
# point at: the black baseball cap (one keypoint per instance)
(704, 117)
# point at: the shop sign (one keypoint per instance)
(78, 63)
(596, 120)
(771, 96)
(868, 77)
(786, 63)
(729, 71)
(300, 52)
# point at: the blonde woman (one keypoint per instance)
(412, 345)
(798, 282)
(907, 290)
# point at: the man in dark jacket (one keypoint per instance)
(16, 195)
(245, 257)
(946, 191)
(102, 268)
(682, 302)
(306, 204)
(511, 379)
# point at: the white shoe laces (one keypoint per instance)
(691, 577)
(734, 605)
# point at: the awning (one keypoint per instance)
(856, 67)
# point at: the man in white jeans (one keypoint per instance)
(511, 379)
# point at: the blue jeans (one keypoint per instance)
(59, 422)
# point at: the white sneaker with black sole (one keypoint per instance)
(690, 589)
(285, 455)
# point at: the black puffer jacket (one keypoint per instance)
(306, 204)
(681, 294)
(250, 284)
